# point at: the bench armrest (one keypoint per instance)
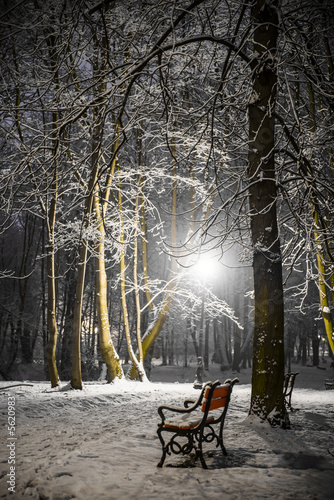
(189, 405)
(175, 409)
(188, 402)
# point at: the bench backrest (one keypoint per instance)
(220, 396)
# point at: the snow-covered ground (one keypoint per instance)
(101, 443)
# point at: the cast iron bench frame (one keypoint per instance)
(196, 426)
(289, 382)
(329, 383)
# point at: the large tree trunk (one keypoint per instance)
(268, 351)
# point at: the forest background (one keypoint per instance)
(166, 179)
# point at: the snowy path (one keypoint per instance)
(101, 443)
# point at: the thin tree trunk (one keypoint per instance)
(135, 277)
(320, 227)
(206, 344)
(51, 315)
(107, 350)
(162, 314)
(76, 379)
(136, 363)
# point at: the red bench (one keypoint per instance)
(196, 422)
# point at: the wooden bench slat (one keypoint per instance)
(218, 398)
(214, 404)
(219, 392)
(184, 424)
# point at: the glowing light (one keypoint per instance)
(205, 268)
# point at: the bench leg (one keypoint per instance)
(220, 440)
(160, 464)
(186, 449)
(222, 448)
(164, 449)
(198, 441)
(199, 454)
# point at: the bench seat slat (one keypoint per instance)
(185, 423)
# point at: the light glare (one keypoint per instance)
(205, 268)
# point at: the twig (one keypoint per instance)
(15, 385)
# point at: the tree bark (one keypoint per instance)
(52, 289)
(268, 350)
(107, 349)
(136, 363)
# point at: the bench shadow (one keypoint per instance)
(245, 458)
(214, 459)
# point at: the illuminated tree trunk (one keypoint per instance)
(268, 351)
(138, 366)
(106, 346)
(108, 352)
(49, 209)
(161, 315)
(320, 234)
(51, 222)
(107, 349)
(51, 315)
(136, 362)
(135, 277)
(76, 379)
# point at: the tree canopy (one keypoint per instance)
(137, 136)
